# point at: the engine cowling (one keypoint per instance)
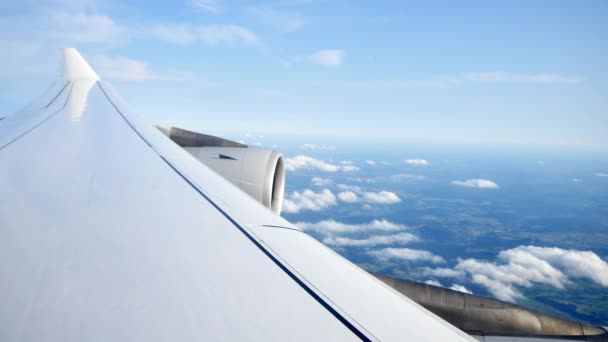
(258, 172)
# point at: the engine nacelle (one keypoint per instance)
(258, 172)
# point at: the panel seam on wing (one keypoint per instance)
(45, 119)
(306, 286)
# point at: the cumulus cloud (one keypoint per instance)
(455, 287)
(599, 174)
(443, 272)
(477, 183)
(433, 282)
(362, 180)
(318, 181)
(346, 187)
(406, 254)
(370, 162)
(460, 288)
(354, 193)
(306, 162)
(525, 266)
(309, 200)
(348, 197)
(310, 163)
(335, 227)
(417, 162)
(350, 168)
(328, 58)
(374, 240)
(382, 197)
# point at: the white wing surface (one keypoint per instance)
(111, 232)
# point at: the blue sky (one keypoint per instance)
(469, 71)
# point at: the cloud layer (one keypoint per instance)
(417, 162)
(525, 266)
(309, 163)
(331, 226)
(406, 254)
(373, 240)
(309, 200)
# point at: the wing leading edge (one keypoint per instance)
(112, 232)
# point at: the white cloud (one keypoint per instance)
(329, 58)
(406, 254)
(370, 162)
(350, 168)
(310, 163)
(334, 227)
(316, 147)
(525, 266)
(577, 180)
(460, 288)
(362, 179)
(374, 240)
(599, 174)
(417, 162)
(501, 290)
(309, 200)
(318, 181)
(443, 272)
(354, 193)
(577, 264)
(306, 162)
(540, 162)
(455, 287)
(347, 162)
(348, 197)
(121, 68)
(345, 187)
(382, 197)
(205, 5)
(507, 77)
(477, 183)
(433, 282)
(210, 35)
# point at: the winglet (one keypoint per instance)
(75, 67)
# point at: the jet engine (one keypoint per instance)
(258, 172)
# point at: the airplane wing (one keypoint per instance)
(111, 232)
